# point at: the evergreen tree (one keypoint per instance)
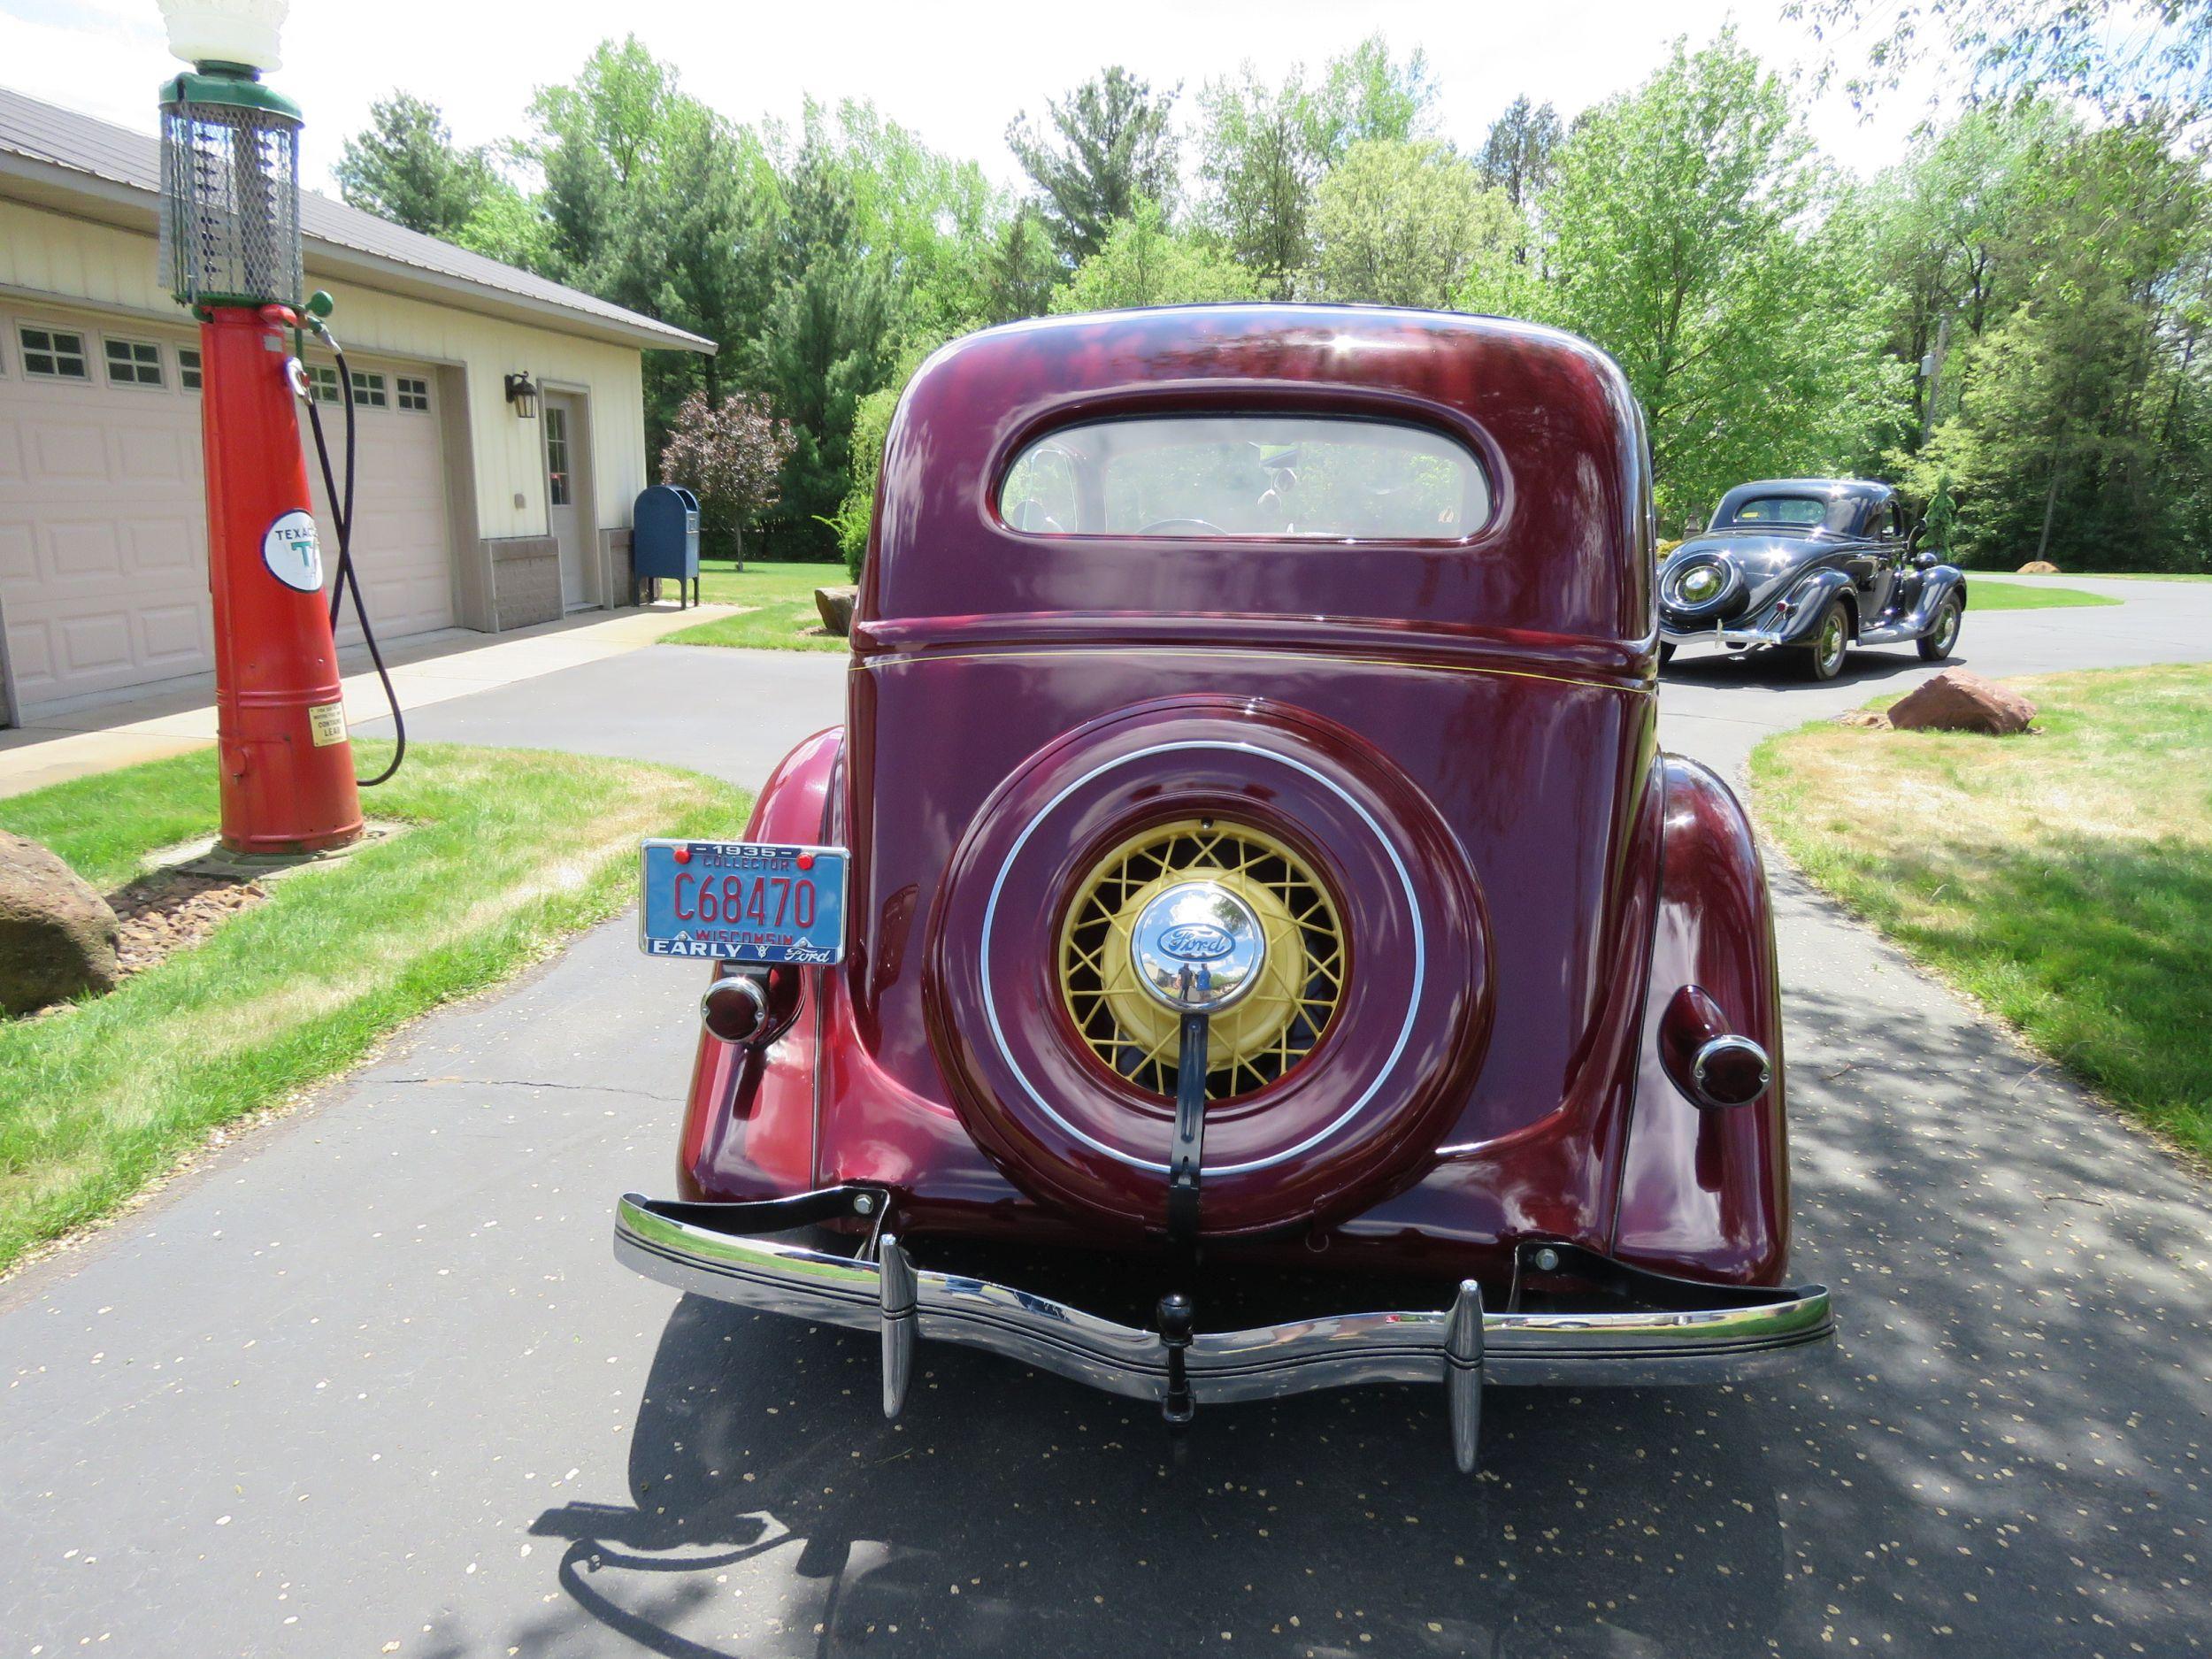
(1517, 157)
(1116, 145)
(405, 167)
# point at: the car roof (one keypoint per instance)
(1566, 552)
(1833, 489)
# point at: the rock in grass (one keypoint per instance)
(1955, 700)
(2039, 567)
(836, 606)
(57, 933)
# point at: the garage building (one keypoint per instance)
(469, 513)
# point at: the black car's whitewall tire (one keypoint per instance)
(1828, 644)
(1939, 641)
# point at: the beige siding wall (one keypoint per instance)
(50, 254)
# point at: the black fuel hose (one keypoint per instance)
(341, 521)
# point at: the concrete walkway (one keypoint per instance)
(100, 734)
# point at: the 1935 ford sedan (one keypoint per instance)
(1253, 942)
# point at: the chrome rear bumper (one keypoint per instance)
(1734, 639)
(1666, 1330)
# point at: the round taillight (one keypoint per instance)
(1731, 1072)
(736, 1010)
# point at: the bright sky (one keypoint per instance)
(955, 73)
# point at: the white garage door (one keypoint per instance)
(399, 510)
(103, 535)
(103, 526)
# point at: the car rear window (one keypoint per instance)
(1198, 476)
(1797, 510)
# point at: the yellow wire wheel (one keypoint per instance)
(1266, 1034)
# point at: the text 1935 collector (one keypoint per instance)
(1274, 953)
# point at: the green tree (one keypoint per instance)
(826, 340)
(1367, 95)
(1940, 521)
(405, 167)
(656, 202)
(1115, 145)
(1687, 240)
(1400, 223)
(1145, 261)
(2076, 437)
(1517, 157)
(2125, 58)
(1943, 229)
(1023, 270)
(1259, 163)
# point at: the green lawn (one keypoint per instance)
(2118, 576)
(781, 617)
(506, 853)
(2064, 878)
(2006, 595)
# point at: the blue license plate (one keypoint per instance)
(741, 901)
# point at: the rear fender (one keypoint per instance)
(1810, 598)
(755, 1106)
(1704, 1192)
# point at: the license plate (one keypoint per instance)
(741, 901)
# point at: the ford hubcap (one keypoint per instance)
(1197, 947)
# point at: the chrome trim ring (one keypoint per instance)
(1714, 1051)
(736, 986)
(1374, 1086)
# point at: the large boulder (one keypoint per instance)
(57, 933)
(836, 606)
(1955, 700)
(2039, 567)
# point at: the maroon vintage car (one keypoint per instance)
(1253, 942)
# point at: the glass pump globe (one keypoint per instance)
(242, 32)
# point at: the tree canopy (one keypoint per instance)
(2006, 322)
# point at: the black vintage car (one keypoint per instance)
(1811, 566)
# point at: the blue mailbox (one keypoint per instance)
(665, 539)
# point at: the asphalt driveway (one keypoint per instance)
(367, 1381)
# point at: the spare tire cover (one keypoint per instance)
(1359, 1116)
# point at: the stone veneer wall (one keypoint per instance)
(614, 550)
(526, 581)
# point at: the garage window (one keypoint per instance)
(133, 363)
(324, 383)
(413, 393)
(368, 391)
(54, 354)
(189, 367)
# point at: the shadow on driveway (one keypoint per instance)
(2004, 1456)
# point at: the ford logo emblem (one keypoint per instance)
(1196, 941)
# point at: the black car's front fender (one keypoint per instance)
(1938, 583)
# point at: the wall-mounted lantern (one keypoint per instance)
(522, 392)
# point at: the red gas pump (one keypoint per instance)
(286, 766)
(231, 251)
